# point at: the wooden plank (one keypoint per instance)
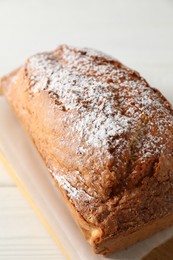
(22, 236)
(163, 252)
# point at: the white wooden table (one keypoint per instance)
(139, 33)
(22, 236)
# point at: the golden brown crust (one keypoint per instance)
(126, 239)
(105, 135)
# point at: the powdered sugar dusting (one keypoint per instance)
(114, 104)
(102, 127)
(79, 84)
(72, 192)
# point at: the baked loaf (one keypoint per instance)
(106, 138)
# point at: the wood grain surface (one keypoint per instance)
(163, 252)
(22, 236)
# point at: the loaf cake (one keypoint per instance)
(106, 138)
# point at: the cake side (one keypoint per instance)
(105, 135)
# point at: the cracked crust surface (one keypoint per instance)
(105, 135)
